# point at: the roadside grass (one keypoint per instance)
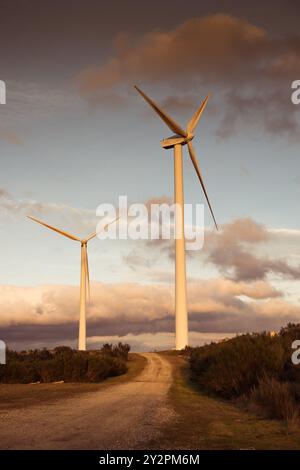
(202, 422)
(25, 395)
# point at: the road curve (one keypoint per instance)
(124, 416)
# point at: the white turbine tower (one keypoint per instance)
(84, 278)
(176, 141)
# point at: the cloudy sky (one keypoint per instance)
(74, 134)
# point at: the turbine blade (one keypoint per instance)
(87, 274)
(194, 121)
(91, 236)
(62, 232)
(167, 119)
(109, 223)
(197, 168)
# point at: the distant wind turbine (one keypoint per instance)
(181, 137)
(84, 277)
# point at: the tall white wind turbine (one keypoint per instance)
(181, 137)
(84, 277)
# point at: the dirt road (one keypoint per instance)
(124, 416)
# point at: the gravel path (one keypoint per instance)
(124, 416)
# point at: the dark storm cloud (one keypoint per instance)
(248, 320)
(277, 114)
(48, 314)
(233, 251)
(200, 48)
(222, 46)
(250, 70)
(235, 323)
(53, 38)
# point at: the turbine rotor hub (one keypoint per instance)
(176, 140)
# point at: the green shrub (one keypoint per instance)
(274, 399)
(119, 350)
(118, 366)
(19, 372)
(64, 363)
(255, 368)
(51, 370)
(97, 369)
(232, 368)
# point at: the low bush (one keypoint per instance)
(256, 367)
(274, 399)
(65, 364)
(232, 368)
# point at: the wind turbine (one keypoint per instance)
(177, 141)
(84, 277)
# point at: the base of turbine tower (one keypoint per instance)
(181, 335)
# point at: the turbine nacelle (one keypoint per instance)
(176, 140)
